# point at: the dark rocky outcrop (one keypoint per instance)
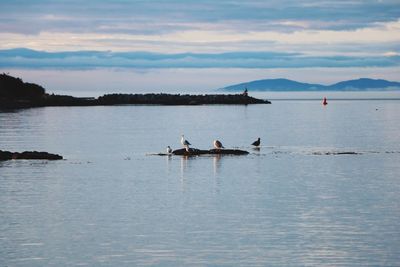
(196, 152)
(14, 94)
(66, 100)
(178, 99)
(7, 155)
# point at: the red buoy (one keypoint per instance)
(324, 102)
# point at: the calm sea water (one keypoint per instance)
(294, 202)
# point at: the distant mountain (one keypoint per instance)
(273, 85)
(289, 85)
(365, 84)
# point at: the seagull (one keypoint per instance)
(257, 143)
(218, 144)
(185, 142)
(169, 150)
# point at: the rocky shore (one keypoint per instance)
(178, 99)
(7, 155)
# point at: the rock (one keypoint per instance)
(7, 155)
(178, 99)
(196, 152)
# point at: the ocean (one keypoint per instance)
(322, 190)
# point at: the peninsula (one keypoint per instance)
(14, 93)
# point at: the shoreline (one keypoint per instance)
(16, 94)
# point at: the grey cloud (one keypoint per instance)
(150, 17)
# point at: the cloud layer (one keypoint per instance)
(208, 36)
(25, 58)
(202, 26)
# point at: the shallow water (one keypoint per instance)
(297, 201)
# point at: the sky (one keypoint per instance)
(137, 45)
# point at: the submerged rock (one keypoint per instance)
(7, 155)
(337, 153)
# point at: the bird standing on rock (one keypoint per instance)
(169, 150)
(218, 144)
(257, 143)
(185, 142)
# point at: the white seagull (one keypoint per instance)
(185, 142)
(218, 144)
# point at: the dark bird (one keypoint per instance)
(218, 144)
(257, 143)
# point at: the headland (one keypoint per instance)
(14, 94)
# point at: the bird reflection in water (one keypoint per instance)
(184, 166)
(168, 159)
(216, 163)
(217, 166)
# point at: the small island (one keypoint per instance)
(14, 94)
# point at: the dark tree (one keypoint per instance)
(12, 88)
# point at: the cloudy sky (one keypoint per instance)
(160, 45)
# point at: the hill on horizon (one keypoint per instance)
(362, 84)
